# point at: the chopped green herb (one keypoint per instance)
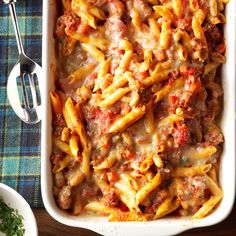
(10, 221)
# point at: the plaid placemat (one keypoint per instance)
(19, 142)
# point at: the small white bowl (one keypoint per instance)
(16, 201)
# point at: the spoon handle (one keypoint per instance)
(11, 5)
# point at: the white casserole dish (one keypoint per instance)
(166, 226)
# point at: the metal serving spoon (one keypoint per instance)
(23, 86)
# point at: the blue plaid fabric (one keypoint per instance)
(19, 142)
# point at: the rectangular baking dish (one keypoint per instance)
(166, 226)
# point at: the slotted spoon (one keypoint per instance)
(23, 86)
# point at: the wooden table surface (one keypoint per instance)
(49, 227)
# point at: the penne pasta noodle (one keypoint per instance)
(76, 122)
(197, 28)
(134, 100)
(102, 73)
(74, 145)
(63, 146)
(177, 8)
(146, 164)
(76, 177)
(94, 52)
(206, 208)
(99, 208)
(210, 67)
(167, 89)
(157, 77)
(98, 13)
(164, 12)
(163, 211)
(113, 98)
(120, 81)
(127, 195)
(136, 20)
(85, 165)
(157, 161)
(144, 191)
(154, 27)
(214, 188)
(100, 43)
(103, 185)
(165, 36)
(81, 73)
(169, 120)
(62, 164)
(149, 122)
(213, 174)
(125, 61)
(65, 134)
(192, 171)
(203, 152)
(67, 119)
(107, 163)
(127, 120)
(56, 103)
(126, 45)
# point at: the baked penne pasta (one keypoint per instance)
(138, 95)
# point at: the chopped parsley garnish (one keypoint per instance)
(10, 221)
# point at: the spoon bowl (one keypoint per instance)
(23, 90)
